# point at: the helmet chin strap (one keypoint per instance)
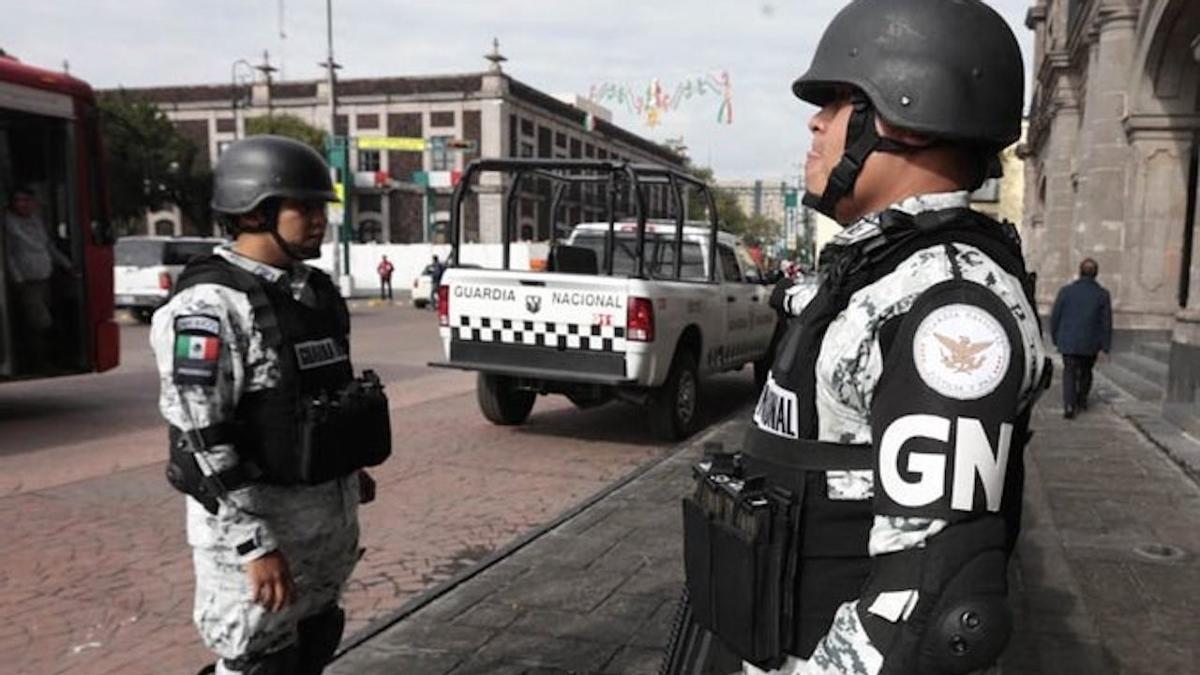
(862, 138)
(293, 251)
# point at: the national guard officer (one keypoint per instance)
(269, 428)
(866, 524)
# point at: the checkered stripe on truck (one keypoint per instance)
(540, 333)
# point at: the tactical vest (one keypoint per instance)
(318, 422)
(829, 560)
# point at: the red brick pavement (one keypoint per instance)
(95, 575)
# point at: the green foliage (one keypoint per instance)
(151, 164)
(756, 229)
(290, 126)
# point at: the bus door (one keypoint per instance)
(43, 321)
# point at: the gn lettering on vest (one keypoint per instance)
(973, 456)
(317, 353)
(776, 411)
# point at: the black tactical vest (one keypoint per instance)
(317, 423)
(833, 562)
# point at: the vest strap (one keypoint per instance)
(808, 455)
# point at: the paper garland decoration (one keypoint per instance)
(652, 102)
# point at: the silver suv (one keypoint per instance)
(146, 268)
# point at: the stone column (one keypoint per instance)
(1155, 219)
(1100, 206)
(1049, 245)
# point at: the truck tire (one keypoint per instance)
(500, 401)
(675, 406)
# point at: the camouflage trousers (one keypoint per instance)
(233, 625)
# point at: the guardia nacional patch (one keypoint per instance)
(961, 351)
(197, 349)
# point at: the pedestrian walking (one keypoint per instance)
(865, 524)
(269, 428)
(385, 270)
(1081, 328)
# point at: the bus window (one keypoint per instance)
(44, 326)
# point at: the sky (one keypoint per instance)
(558, 46)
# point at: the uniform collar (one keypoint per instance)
(258, 269)
(868, 226)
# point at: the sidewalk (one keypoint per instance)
(1103, 580)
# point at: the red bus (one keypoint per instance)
(56, 256)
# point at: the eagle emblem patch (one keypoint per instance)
(961, 351)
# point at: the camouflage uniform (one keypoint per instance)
(848, 368)
(315, 527)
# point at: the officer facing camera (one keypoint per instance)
(269, 427)
(865, 524)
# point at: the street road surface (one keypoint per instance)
(95, 572)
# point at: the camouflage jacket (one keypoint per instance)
(849, 367)
(254, 519)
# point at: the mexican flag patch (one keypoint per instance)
(197, 349)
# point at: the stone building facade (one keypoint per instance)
(1111, 167)
(403, 196)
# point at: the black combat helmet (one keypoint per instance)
(262, 167)
(949, 69)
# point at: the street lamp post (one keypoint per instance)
(233, 91)
(331, 67)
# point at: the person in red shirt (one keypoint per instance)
(385, 270)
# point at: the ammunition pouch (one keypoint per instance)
(736, 538)
(343, 432)
(743, 534)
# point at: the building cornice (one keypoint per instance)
(1036, 15)
(1157, 126)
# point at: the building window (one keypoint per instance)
(576, 148)
(226, 125)
(526, 127)
(440, 158)
(367, 121)
(560, 139)
(441, 119)
(368, 160)
(589, 150)
(526, 149)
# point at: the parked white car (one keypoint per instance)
(146, 268)
(423, 285)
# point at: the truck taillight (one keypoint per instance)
(443, 296)
(164, 281)
(639, 321)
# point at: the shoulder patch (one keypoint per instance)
(197, 349)
(777, 411)
(961, 351)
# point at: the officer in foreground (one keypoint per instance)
(866, 524)
(269, 428)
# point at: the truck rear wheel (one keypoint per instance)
(500, 400)
(675, 406)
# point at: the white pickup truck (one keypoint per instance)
(591, 327)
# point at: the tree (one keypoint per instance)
(729, 211)
(290, 126)
(151, 164)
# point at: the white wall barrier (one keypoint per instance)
(410, 259)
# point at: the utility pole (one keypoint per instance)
(331, 67)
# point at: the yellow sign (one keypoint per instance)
(340, 190)
(402, 143)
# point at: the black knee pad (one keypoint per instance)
(286, 661)
(318, 637)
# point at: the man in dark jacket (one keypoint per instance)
(1081, 327)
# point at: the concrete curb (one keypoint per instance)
(1181, 447)
(419, 601)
